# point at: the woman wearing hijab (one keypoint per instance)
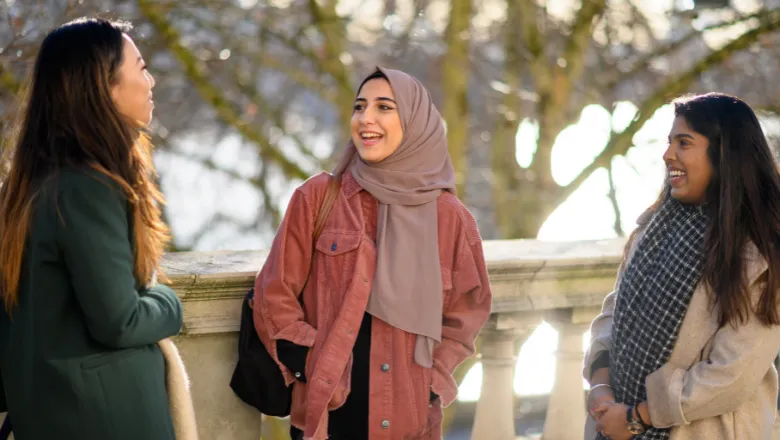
(398, 287)
(684, 348)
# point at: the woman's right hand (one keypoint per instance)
(599, 401)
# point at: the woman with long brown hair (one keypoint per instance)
(80, 243)
(684, 347)
(398, 287)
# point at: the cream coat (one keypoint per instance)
(719, 383)
(178, 385)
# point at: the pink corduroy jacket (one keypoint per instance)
(334, 302)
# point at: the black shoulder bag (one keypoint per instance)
(257, 379)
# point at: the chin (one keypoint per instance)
(684, 198)
(143, 123)
(370, 156)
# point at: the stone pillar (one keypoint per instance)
(566, 411)
(494, 418)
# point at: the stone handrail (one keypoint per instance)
(561, 282)
(525, 276)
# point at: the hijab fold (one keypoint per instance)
(407, 292)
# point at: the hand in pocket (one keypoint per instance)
(294, 357)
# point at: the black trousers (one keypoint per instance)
(350, 421)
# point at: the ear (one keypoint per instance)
(115, 90)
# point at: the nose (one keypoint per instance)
(367, 116)
(670, 154)
(151, 79)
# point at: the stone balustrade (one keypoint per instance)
(562, 283)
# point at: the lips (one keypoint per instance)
(676, 176)
(370, 138)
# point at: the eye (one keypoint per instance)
(357, 107)
(385, 107)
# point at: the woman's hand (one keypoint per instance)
(599, 400)
(612, 423)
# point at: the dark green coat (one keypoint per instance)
(79, 358)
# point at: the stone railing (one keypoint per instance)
(561, 283)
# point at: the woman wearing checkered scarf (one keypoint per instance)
(684, 347)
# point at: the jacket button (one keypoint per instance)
(333, 247)
(385, 424)
(385, 368)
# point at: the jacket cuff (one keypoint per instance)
(595, 350)
(299, 333)
(602, 361)
(444, 387)
(293, 357)
(664, 396)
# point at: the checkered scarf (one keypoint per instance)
(652, 297)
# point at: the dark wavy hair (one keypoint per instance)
(742, 203)
(69, 119)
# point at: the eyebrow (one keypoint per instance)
(681, 135)
(381, 98)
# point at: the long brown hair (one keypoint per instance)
(742, 203)
(69, 119)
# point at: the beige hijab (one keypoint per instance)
(407, 289)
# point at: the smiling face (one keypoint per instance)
(132, 93)
(688, 165)
(376, 125)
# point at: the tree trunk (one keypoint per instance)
(456, 68)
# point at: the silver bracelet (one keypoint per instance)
(599, 385)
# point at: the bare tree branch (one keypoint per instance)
(330, 27)
(211, 94)
(527, 12)
(618, 226)
(554, 103)
(641, 64)
(620, 143)
(577, 45)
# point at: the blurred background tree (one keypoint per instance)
(254, 96)
(556, 110)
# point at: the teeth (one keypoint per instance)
(370, 136)
(675, 173)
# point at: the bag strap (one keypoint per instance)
(331, 193)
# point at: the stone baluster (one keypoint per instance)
(494, 418)
(566, 412)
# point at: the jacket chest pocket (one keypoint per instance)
(336, 255)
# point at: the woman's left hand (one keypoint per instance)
(613, 425)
